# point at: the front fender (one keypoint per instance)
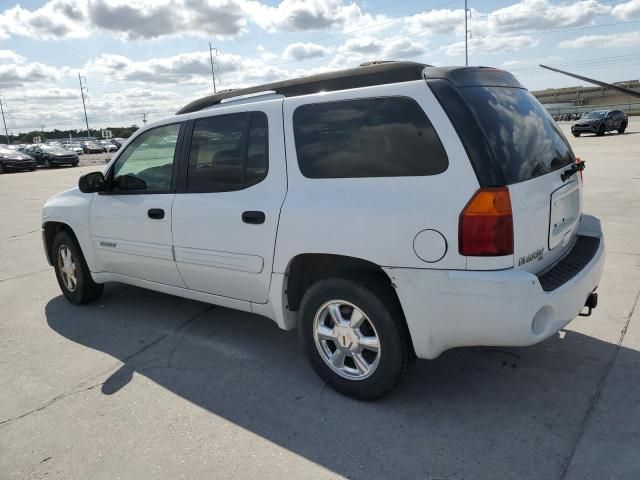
(71, 208)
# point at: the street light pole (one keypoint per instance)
(213, 75)
(4, 121)
(84, 106)
(466, 33)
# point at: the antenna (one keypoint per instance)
(82, 90)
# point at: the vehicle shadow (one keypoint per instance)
(471, 413)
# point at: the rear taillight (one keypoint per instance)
(486, 224)
(581, 179)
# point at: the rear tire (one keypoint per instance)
(622, 128)
(601, 131)
(2, 169)
(47, 164)
(72, 272)
(576, 134)
(367, 352)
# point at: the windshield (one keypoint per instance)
(599, 114)
(522, 136)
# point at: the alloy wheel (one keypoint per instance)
(67, 267)
(346, 340)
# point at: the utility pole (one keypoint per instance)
(213, 75)
(467, 14)
(4, 121)
(144, 118)
(82, 89)
(42, 127)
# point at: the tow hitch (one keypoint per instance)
(591, 303)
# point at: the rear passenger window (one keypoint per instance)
(372, 137)
(228, 152)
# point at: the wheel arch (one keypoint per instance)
(307, 268)
(49, 231)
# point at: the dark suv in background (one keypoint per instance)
(599, 122)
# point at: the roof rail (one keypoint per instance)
(248, 95)
(373, 73)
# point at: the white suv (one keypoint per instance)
(391, 211)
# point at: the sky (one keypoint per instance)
(152, 56)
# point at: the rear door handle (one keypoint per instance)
(254, 217)
(156, 213)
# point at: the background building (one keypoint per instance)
(583, 99)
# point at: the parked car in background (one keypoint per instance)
(407, 222)
(12, 160)
(92, 147)
(117, 142)
(49, 156)
(107, 146)
(600, 122)
(75, 147)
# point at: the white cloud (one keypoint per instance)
(304, 51)
(16, 71)
(492, 45)
(436, 21)
(305, 15)
(529, 16)
(627, 11)
(622, 40)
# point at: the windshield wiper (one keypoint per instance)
(576, 167)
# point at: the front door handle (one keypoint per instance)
(254, 217)
(156, 213)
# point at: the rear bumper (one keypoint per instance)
(447, 309)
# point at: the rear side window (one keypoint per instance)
(372, 137)
(228, 152)
(523, 138)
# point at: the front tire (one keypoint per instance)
(576, 134)
(47, 163)
(601, 131)
(355, 336)
(72, 272)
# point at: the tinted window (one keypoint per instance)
(228, 152)
(147, 163)
(522, 136)
(373, 137)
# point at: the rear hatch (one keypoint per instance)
(514, 142)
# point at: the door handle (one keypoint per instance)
(156, 213)
(254, 217)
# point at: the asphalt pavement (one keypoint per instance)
(143, 385)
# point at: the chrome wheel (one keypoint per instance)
(346, 340)
(67, 267)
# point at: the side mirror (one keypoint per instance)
(92, 182)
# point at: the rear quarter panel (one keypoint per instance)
(375, 219)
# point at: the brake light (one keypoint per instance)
(486, 224)
(581, 179)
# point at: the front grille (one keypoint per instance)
(567, 268)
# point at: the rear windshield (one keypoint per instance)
(522, 136)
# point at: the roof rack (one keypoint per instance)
(369, 74)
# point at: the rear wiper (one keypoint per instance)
(576, 167)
